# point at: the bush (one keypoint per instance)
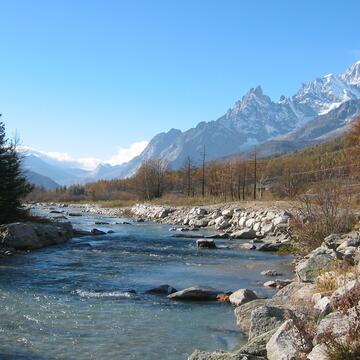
(323, 212)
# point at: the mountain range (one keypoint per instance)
(321, 110)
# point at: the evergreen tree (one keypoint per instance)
(13, 185)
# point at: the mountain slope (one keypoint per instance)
(40, 180)
(60, 174)
(255, 120)
(321, 129)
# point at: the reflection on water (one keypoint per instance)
(86, 299)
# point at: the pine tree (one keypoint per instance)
(13, 185)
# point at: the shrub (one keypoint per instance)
(323, 212)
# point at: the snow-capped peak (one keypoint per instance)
(352, 74)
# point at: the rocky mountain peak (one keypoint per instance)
(352, 74)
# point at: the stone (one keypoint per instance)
(332, 241)
(294, 293)
(341, 291)
(218, 236)
(162, 289)
(221, 223)
(74, 214)
(243, 314)
(79, 232)
(205, 244)
(256, 227)
(270, 246)
(270, 284)
(249, 223)
(242, 221)
(281, 219)
(257, 345)
(228, 213)
(267, 229)
(244, 234)
(195, 293)
(97, 232)
(199, 223)
(319, 352)
(319, 260)
(34, 235)
(264, 319)
(336, 323)
(270, 273)
(285, 344)
(164, 213)
(242, 296)
(245, 246)
(200, 211)
(323, 306)
(354, 243)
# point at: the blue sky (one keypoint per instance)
(87, 77)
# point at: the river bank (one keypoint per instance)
(264, 229)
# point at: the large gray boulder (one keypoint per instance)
(242, 296)
(264, 319)
(195, 293)
(34, 235)
(286, 343)
(243, 314)
(319, 260)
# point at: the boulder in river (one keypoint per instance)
(162, 289)
(34, 235)
(242, 296)
(270, 272)
(79, 232)
(74, 214)
(97, 232)
(205, 244)
(195, 293)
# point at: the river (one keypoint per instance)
(77, 300)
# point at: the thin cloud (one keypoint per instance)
(123, 155)
(126, 154)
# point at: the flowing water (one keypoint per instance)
(77, 300)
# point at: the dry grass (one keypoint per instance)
(330, 280)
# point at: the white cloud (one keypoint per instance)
(123, 155)
(126, 154)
